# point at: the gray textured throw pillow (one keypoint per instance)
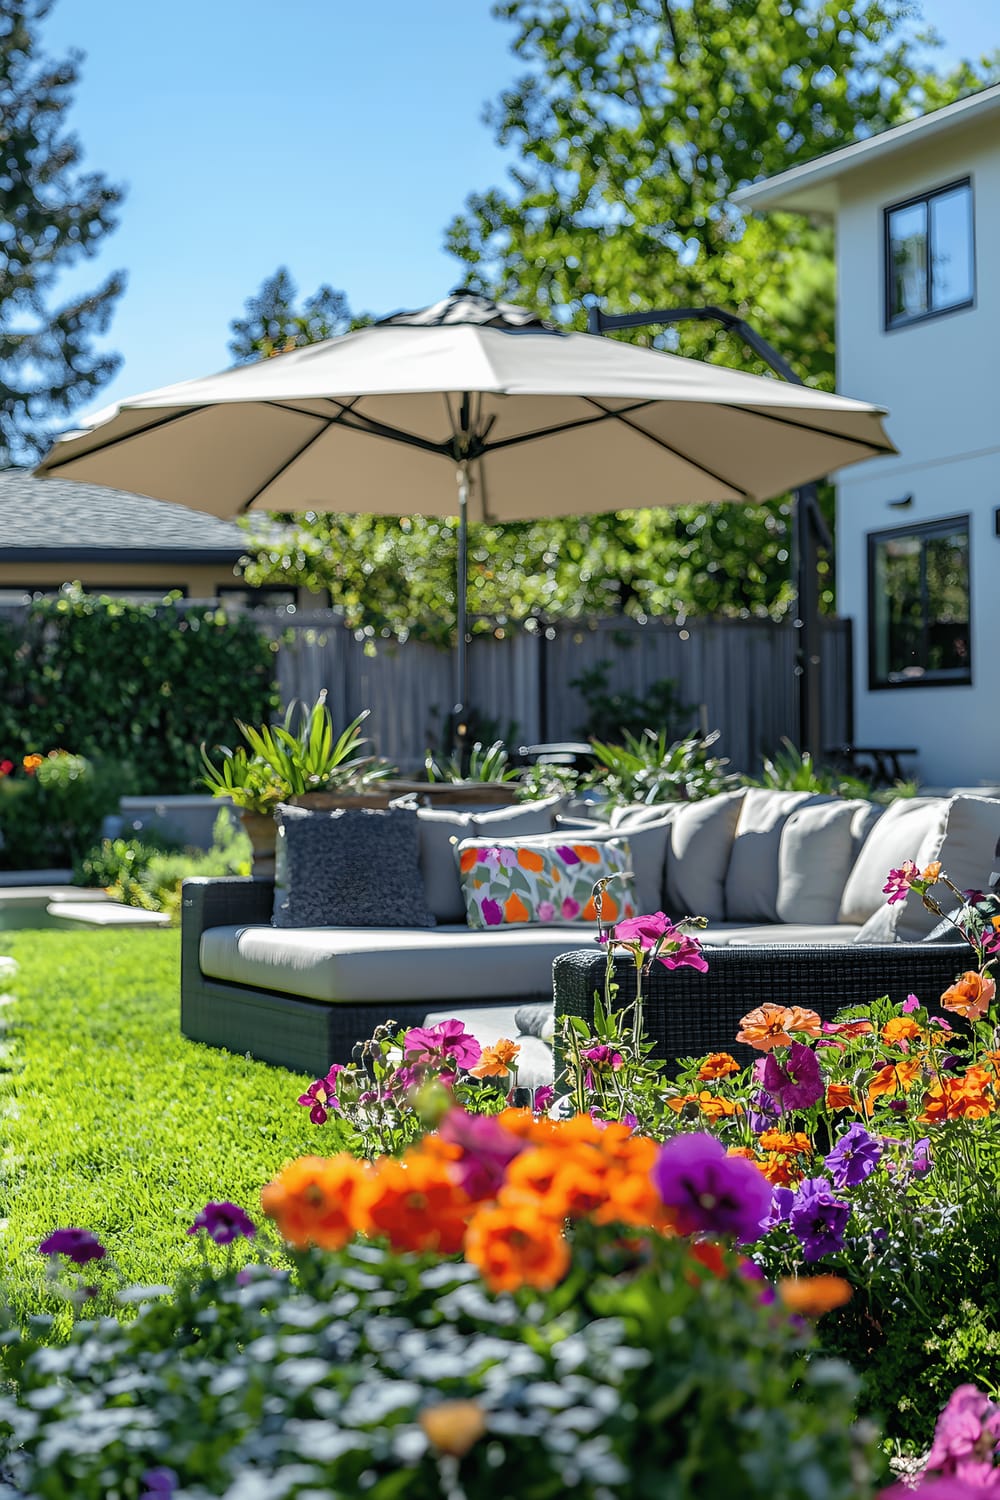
(352, 867)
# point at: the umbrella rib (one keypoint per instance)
(544, 432)
(840, 437)
(677, 453)
(125, 437)
(287, 464)
(357, 421)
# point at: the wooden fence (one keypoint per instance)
(740, 675)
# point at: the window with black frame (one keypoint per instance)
(929, 255)
(919, 605)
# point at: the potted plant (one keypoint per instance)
(302, 760)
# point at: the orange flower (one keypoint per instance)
(415, 1204)
(609, 909)
(781, 1171)
(717, 1065)
(899, 1031)
(812, 1296)
(967, 1097)
(588, 854)
(514, 909)
(315, 1201)
(970, 995)
(31, 763)
(513, 1246)
(467, 860)
(771, 1026)
(894, 1078)
(453, 1427)
(839, 1096)
(747, 1152)
(528, 859)
(495, 1061)
(712, 1106)
(794, 1144)
(560, 1182)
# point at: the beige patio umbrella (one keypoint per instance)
(531, 420)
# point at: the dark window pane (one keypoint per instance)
(919, 606)
(951, 247)
(908, 261)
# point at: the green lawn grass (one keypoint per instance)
(113, 1121)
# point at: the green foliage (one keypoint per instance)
(610, 714)
(48, 817)
(303, 754)
(649, 768)
(667, 1381)
(792, 770)
(54, 214)
(135, 683)
(272, 325)
(479, 763)
(114, 1120)
(148, 872)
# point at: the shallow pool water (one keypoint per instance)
(17, 916)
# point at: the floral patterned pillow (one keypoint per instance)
(545, 881)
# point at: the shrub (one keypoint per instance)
(132, 683)
(148, 872)
(51, 806)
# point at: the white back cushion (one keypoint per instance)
(815, 857)
(701, 839)
(752, 876)
(896, 836)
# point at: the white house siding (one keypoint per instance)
(940, 380)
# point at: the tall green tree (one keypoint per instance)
(272, 323)
(52, 212)
(631, 124)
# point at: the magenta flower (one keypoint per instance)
(223, 1223)
(678, 949)
(543, 1098)
(899, 882)
(487, 1151)
(546, 911)
(78, 1245)
(920, 1161)
(448, 1042)
(910, 1004)
(796, 1085)
(855, 1157)
(492, 912)
(968, 1428)
(567, 855)
(570, 909)
(320, 1098)
(709, 1189)
(603, 1057)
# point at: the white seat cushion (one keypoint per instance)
(386, 964)
(733, 934)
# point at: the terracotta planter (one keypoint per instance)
(453, 793)
(327, 801)
(263, 834)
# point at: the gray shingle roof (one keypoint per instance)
(61, 518)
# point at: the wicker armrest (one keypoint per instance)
(687, 1013)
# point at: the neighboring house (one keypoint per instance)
(917, 217)
(54, 532)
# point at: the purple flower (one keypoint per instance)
(320, 1098)
(543, 1098)
(160, 1483)
(78, 1245)
(782, 1199)
(546, 911)
(799, 1083)
(487, 1151)
(818, 1219)
(492, 912)
(709, 1189)
(855, 1157)
(223, 1223)
(920, 1161)
(447, 1042)
(910, 1004)
(763, 1111)
(567, 855)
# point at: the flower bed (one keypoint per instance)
(638, 1297)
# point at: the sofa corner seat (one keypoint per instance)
(302, 998)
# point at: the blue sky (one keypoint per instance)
(335, 138)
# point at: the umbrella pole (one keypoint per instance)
(460, 711)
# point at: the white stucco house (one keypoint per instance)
(917, 217)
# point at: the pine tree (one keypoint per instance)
(271, 322)
(51, 213)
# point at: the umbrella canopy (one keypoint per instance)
(533, 422)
